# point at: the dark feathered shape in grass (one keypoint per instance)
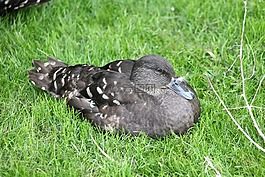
(134, 96)
(12, 5)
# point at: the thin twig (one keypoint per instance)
(41, 51)
(230, 68)
(101, 150)
(218, 174)
(75, 147)
(241, 47)
(244, 107)
(257, 90)
(243, 77)
(233, 119)
(254, 64)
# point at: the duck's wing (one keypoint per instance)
(121, 66)
(107, 89)
(112, 103)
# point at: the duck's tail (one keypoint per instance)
(45, 73)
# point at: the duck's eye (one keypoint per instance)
(162, 71)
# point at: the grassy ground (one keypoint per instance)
(41, 137)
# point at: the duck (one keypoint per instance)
(12, 5)
(135, 97)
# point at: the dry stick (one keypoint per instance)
(233, 119)
(244, 107)
(254, 63)
(41, 51)
(243, 77)
(230, 68)
(218, 174)
(101, 150)
(260, 82)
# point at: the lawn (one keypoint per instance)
(40, 136)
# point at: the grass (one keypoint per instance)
(41, 137)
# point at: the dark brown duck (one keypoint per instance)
(130, 96)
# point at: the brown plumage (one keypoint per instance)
(129, 96)
(12, 5)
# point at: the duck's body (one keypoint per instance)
(127, 95)
(11, 5)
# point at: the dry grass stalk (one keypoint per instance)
(101, 150)
(248, 106)
(210, 164)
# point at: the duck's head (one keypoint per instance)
(157, 71)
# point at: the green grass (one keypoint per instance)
(41, 137)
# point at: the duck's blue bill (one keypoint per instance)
(180, 88)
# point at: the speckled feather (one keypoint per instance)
(11, 5)
(113, 96)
